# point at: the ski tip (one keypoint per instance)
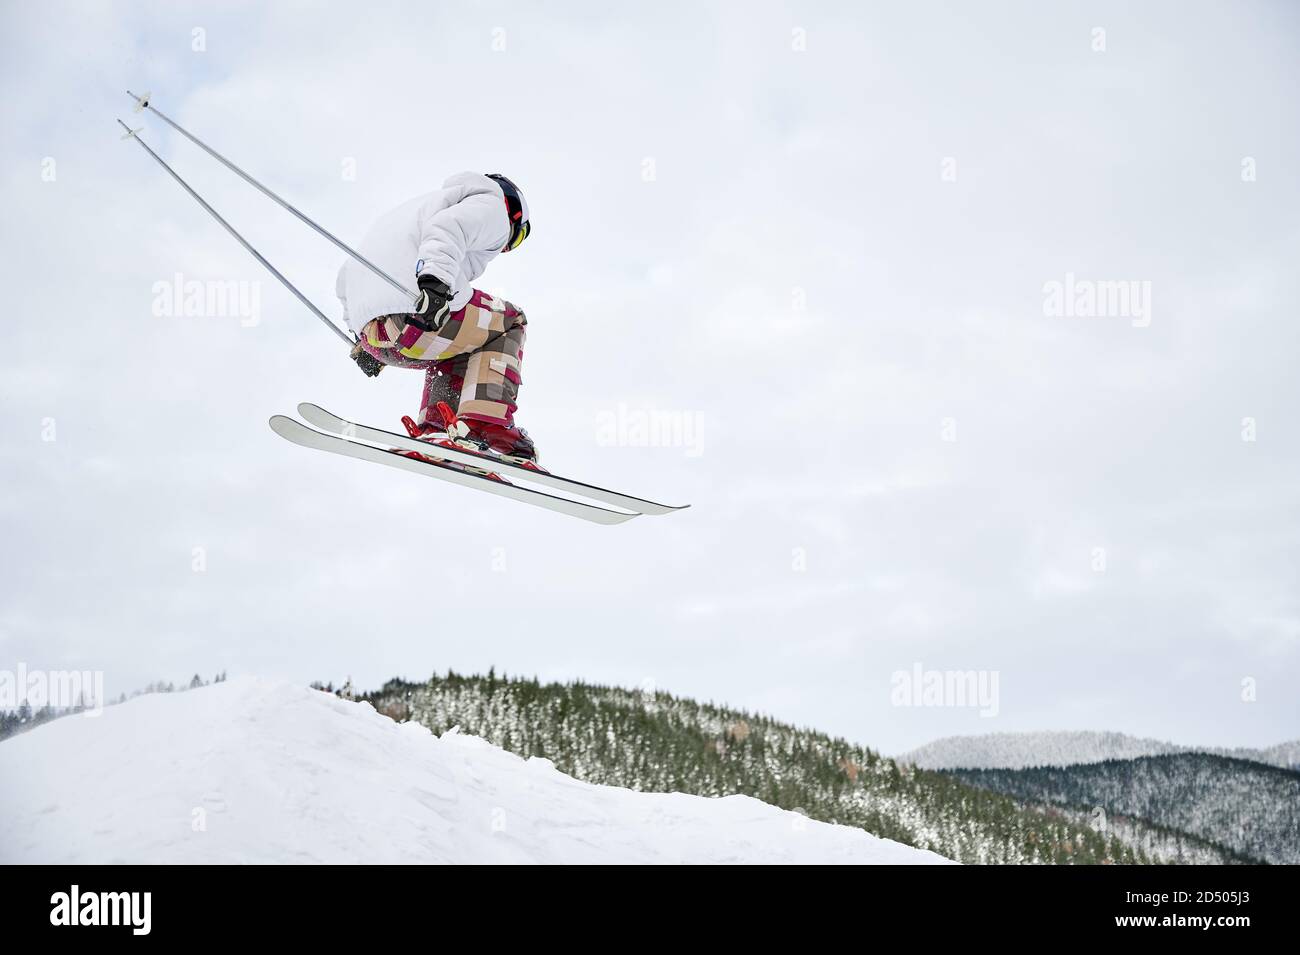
(318, 417)
(655, 509)
(285, 426)
(293, 430)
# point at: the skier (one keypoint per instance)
(468, 343)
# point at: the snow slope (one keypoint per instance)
(257, 771)
(1022, 750)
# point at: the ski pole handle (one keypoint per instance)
(367, 362)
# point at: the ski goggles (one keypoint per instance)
(517, 235)
(519, 226)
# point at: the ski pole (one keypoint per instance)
(131, 134)
(142, 102)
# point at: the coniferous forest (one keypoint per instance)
(661, 743)
(1248, 807)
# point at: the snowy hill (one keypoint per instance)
(661, 743)
(1250, 809)
(256, 771)
(1022, 750)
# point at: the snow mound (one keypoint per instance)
(260, 772)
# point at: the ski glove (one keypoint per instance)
(432, 309)
(367, 362)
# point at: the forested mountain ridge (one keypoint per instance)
(1249, 808)
(661, 743)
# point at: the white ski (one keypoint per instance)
(299, 433)
(332, 423)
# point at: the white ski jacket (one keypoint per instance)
(452, 233)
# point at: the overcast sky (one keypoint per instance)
(817, 236)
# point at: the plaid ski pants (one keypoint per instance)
(472, 362)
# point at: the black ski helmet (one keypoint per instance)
(516, 209)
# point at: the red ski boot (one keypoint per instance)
(510, 443)
(440, 434)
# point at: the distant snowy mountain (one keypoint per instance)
(257, 771)
(1022, 750)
